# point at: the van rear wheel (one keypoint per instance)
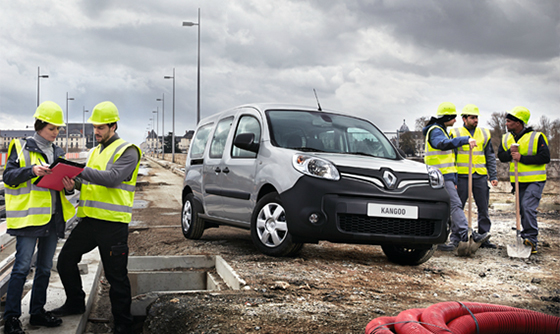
(269, 228)
(191, 224)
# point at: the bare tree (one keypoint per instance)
(421, 123)
(497, 127)
(552, 132)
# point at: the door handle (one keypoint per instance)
(217, 170)
(226, 170)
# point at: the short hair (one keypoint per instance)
(115, 124)
(39, 125)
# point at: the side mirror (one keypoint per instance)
(401, 152)
(246, 141)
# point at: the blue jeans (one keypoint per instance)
(25, 246)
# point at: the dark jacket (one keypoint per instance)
(439, 139)
(542, 156)
(14, 175)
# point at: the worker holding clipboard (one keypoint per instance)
(105, 209)
(35, 215)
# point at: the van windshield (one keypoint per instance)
(314, 131)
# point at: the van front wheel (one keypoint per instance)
(191, 224)
(269, 228)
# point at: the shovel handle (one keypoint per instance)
(469, 216)
(517, 211)
(515, 148)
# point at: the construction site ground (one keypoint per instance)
(330, 288)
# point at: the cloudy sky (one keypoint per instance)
(383, 60)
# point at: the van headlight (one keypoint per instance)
(436, 177)
(317, 167)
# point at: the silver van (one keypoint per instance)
(295, 175)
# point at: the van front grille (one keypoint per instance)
(388, 226)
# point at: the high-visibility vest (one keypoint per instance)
(482, 137)
(528, 145)
(28, 204)
(108, 203)
(443, 160)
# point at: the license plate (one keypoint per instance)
(392, 211)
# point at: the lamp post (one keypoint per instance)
(157, 125)
(190, 24)
(84, 126)
(67, 123)
(39, 76)
(173, 122)
(162, 123)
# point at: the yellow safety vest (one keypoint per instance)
(443, 160)
(482, 137)
(28, 204)
(528, 145)
(108, 203)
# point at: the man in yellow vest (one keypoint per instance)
(532, 156)
(483, 169)
(35, 216)
(439, 153)
(105, 208)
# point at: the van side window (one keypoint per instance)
(200, 140)
(247, 124)
(220, 136)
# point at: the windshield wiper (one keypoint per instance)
(306, 149)
(363, 153)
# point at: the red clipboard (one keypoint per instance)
(60, 168)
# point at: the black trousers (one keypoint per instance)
(111, 238)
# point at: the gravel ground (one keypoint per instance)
(331, 288)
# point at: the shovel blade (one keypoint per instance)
(519, 250)
(463, 248)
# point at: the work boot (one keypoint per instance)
(480, 238)
(488, 244)
(449, 246)
(12, 325)
(67, 309)
(533, 246)
(45, 319)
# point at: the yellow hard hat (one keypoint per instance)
(104, 113)
(446, 108)
(50, 112)
(521, 113)
(470, 109)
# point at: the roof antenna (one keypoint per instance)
(318, 104)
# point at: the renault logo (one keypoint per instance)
(390, 180)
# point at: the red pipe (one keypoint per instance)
(442, 313)
(506, 323)
(381, 325)
(409, 322)
(463, 318)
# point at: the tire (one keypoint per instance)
(407, 256)
(191, 224)
(269, 229)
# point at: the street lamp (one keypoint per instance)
(162, 123)
(67, 123)
(84, 126)
(190, 24)
(157, 125)
(173, 126)
(39, 76)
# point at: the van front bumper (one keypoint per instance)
(337, 211)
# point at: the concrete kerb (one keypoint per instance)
(56, 296)
(175, 168)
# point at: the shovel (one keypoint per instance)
(518, 249)
(464, 247)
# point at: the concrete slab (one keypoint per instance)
(55, 297)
